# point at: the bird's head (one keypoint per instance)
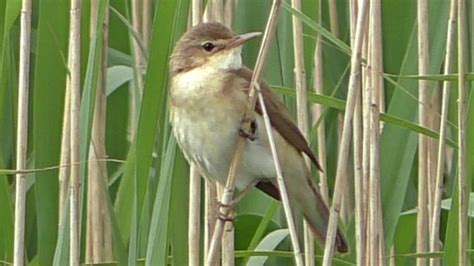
(209, 44)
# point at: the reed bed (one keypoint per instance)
(90, 171)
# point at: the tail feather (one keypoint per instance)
(315, 211)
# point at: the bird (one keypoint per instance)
(208, 96)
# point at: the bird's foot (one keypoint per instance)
(250, 134)
(226, 217)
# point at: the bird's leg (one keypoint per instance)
(252, 133)
(225, 217)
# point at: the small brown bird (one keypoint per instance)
(208, 96)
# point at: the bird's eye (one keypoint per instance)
(208, 46)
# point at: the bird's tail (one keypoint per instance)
(315, 211)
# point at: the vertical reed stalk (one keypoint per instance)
(423, 67)
(22, 135)
(359, 189)
(210, 217)
(75, 101)
(194, 179)
(435, 220)
(333, 17)
(139, 61)
(318, 111)
(196, 11)
(98, 238)
(334, 26)
(227, 249)
(229, 10)
(146, 22)
(302, 110)
(376, 69)
(65, 152)
(194, 215)
(354, 85)
(463, 193)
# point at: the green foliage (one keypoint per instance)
(148, 193)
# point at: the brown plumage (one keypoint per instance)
(208, 96)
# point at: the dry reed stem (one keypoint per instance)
(146, 22)
(423, 87)
(302, 110)
(229, 188)
(22, 134)
(360, 221)
(227, 250)
(435, 220)
(135, 89)
(194, 215)
(354, 84)
(98, 238)
(196, 6)
(359, 190)
(210, 210)
(333, 17)
(65, 159)
(74, 68)
(229, 10)
(376, 69)
(334, 27)
(317, 112)
(281, 182)
(463, 193)
(194, 180)
(366, 84)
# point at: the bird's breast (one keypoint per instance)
(205, 120)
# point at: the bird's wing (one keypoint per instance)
(279, 117)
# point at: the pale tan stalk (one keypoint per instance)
(302, 110)
(214, 11)
(75, 68)
(107, 244)
(139, 61)
(360, 222)
(194, 215)
(354, 85)
(334, 27)
(229, 188)
(333, 17)
(65, 152)
(194, 181)
(22, 134)
(228, 256)
(146, 22)
(94, 225)
(375, 211)
(463, 193)
(196, 11)
(359, 190)
(98, 238)
(229, 9)
(366, 141)
(210, 210)
(317, 114)
(423, 68)
(281, 182)
(434, 236)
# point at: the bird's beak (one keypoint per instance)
(241, 39)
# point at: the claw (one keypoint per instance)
(225, 217)
(252, 135)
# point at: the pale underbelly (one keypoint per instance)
(210, 144)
